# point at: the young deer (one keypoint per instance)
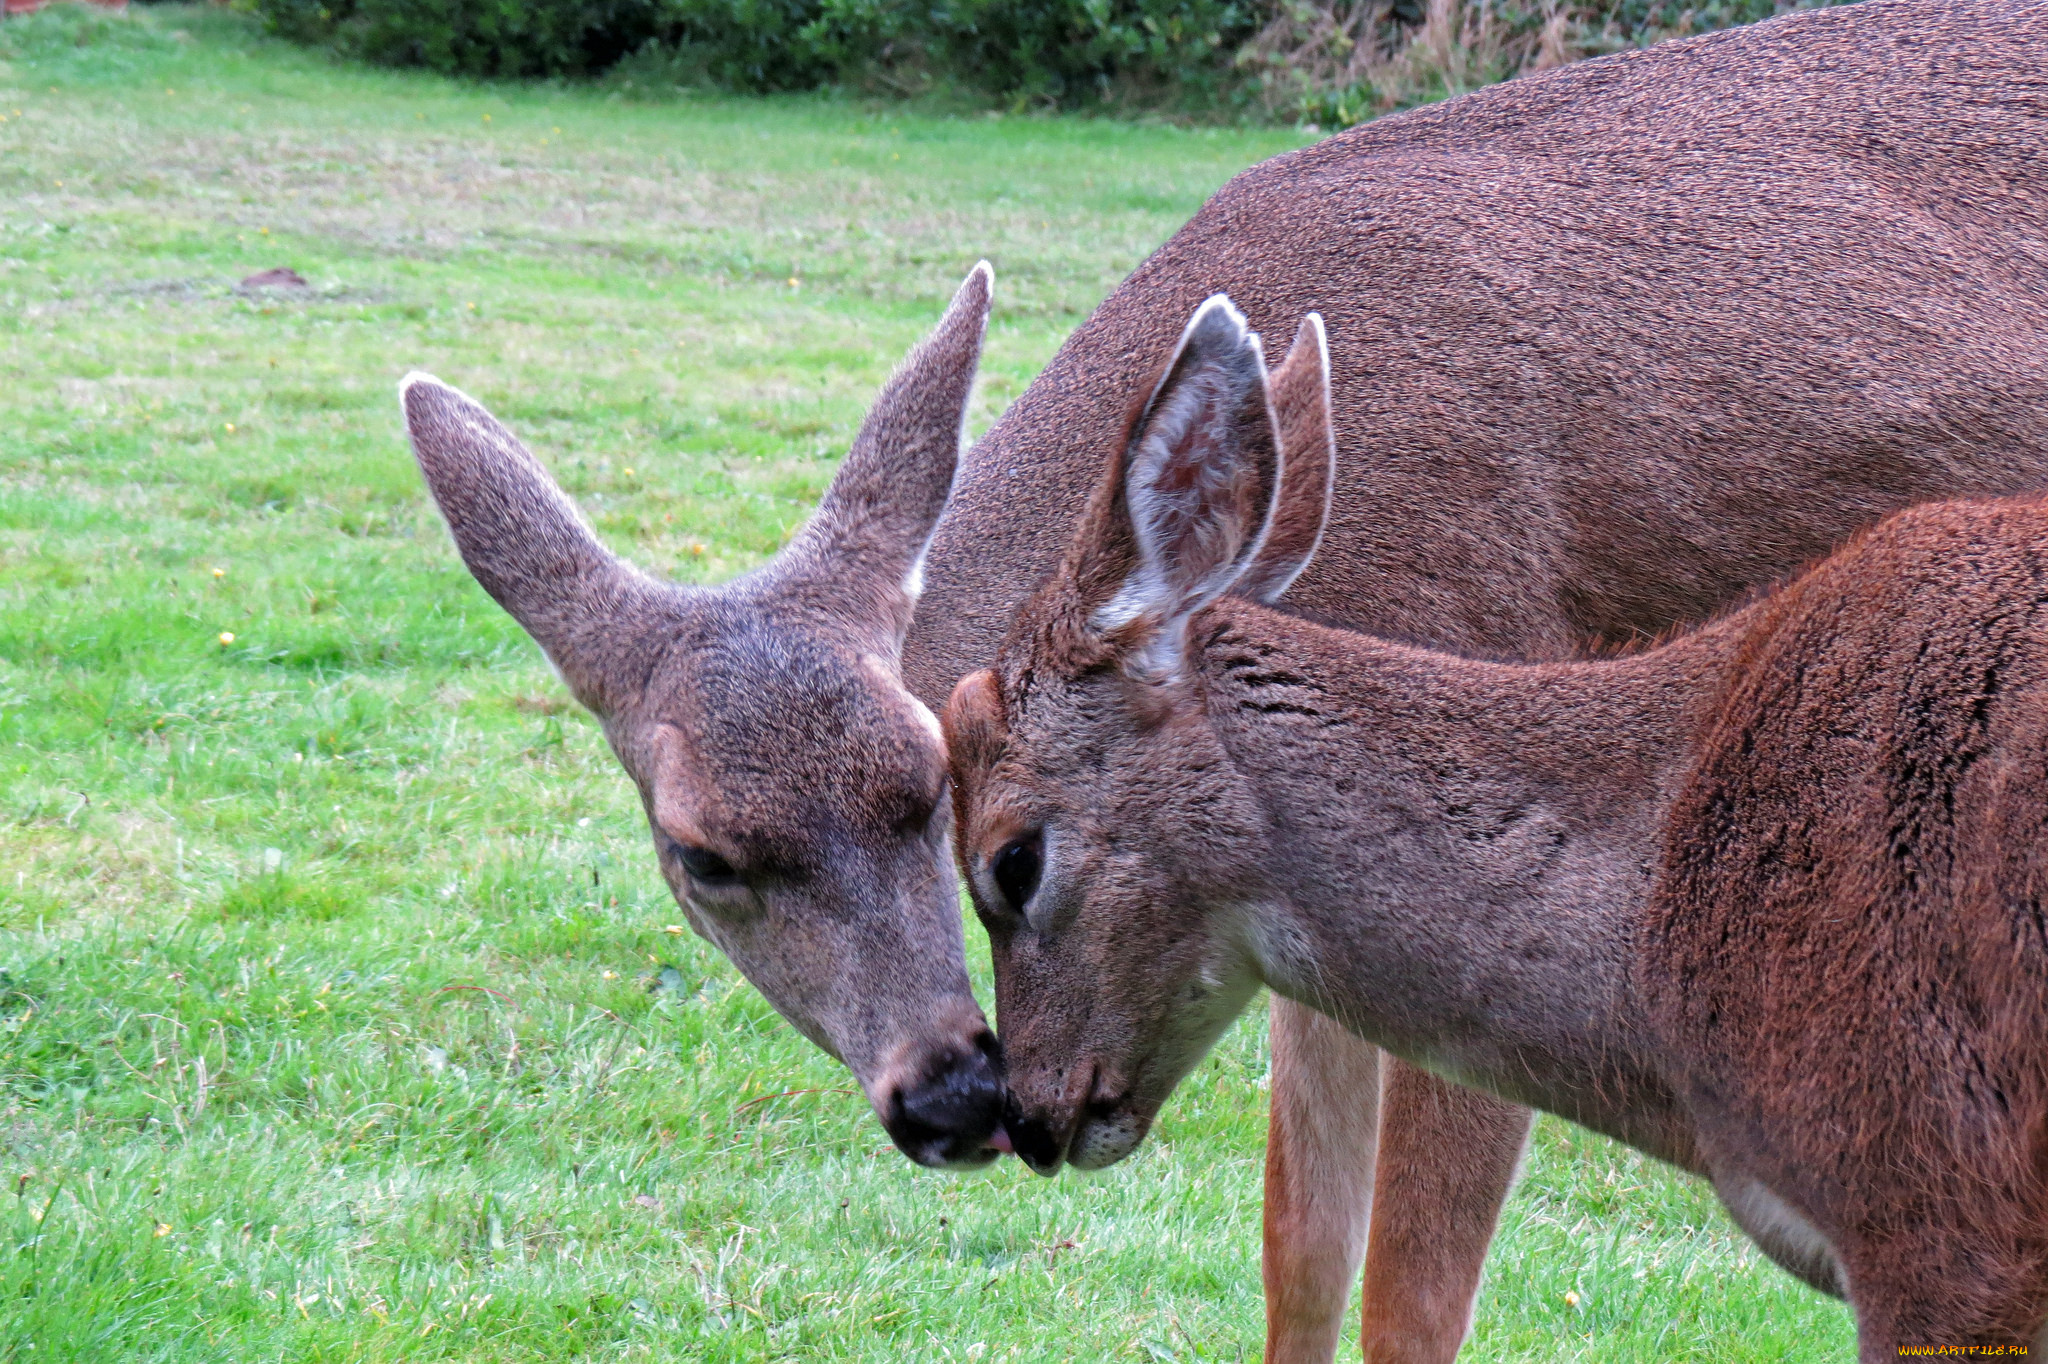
(1611, 345)
(1765, 901)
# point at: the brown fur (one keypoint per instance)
(1850, 933)
(765, 724)
(1762, 901)
(1610, 346)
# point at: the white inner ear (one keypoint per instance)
(1175, 480)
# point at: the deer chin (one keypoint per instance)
(1102, 1139)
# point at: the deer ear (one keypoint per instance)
(1199, 478)
(525, 542)
(1308, 466)
(973, 722)
(860, 558)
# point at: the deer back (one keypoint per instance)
(1609, 344)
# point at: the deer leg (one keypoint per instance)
(1320, 1149)
(1448, 1157)
(1911, 1296)
(1892, 1318)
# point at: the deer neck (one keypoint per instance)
(1462, 851)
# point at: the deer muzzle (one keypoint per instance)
(1091, 1124)
(948, 1111)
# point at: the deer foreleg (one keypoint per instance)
(1447, 1158)
(1320, 1151)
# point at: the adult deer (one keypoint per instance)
(1766, 901)
(796, 791)
(1609, 346)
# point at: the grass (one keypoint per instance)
(343, 1015)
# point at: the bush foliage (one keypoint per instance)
(1326, 61)
(1048, 51)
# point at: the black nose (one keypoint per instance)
(1032, 1139)
(949, 1116)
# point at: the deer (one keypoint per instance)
(795, 790)
(1609, 346)
(1763, 900)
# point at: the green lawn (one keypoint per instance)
(344, 1013)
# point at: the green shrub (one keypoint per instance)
(475, 37)
(1064, 52)
(751, 44)
(1324, 61)
(1049, 51)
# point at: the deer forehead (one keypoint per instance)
(1149, 797)
(1099, 724)
(760, 735)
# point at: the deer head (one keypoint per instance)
(1100, 823)
(797, 793)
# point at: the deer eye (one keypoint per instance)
(1016, 868)
(704, 865)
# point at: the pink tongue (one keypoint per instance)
(999, 1140)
